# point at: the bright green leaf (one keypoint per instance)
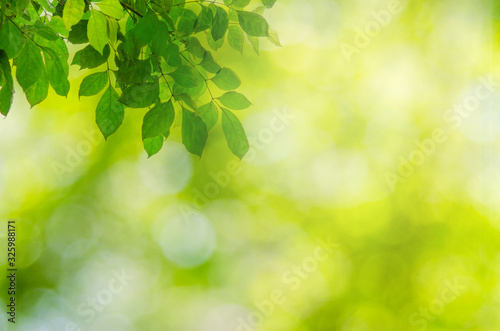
(234, 100)
(57, 24)
(158, 120)
(73, 12)
(109, 112)
(220, 24)
(209, 114)
(194, 132)
(93, 84)
(235, 37)
(240, 3)
(57, 72)
(234, 133)
(226, 80)
(268, 3)
(153, 145)
(6, 83)
(253, 24)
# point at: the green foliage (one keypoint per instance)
(150, 54)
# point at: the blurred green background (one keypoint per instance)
(369, 199)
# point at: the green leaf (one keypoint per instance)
(73, 12)
(172, 55)
(109, 112)
(158, 120)
(194, 132)
(235, 37)
(153, 145)
(186, 22)
(112, 8)
(97, 30)
(6, 83)
(185, 98)
(209, 64)
(204, 19)
(89, 58)
(186, 76)
(78, 33)
(268, 3)
(215, 45)
(145, 29)
(274, 38)
(37, 92)
(93, 84)
(240, 3)
(195, 48)
(226, 80)
(209, 114)
(29, 65)
(253, 24)
(254, 41)
(220, 24)
(133, 72)
(235, 101)
(160, 39)
(57, 72)
(45, 31)
(11, 40)
(234, 133)
(57, 24)
(140, 95)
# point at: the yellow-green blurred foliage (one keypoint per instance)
(370, 198)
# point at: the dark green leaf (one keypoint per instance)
(186, 76)
(234, 133)
(186, 22)
(172, 55)
(209, 64)
(109, 112)
(141, 95)
(89, 58)
(145, 29)
(194, 132)
(204, 19)
(78, 33)
(220, 24)
(11, 39)
(209, 114)
(226, 80)
(7, 90)
(158, 120)
(253, 24)
(235, 101)
(93, 84)
(29, 65)
(160, 39)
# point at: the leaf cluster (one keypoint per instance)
(143, 54)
